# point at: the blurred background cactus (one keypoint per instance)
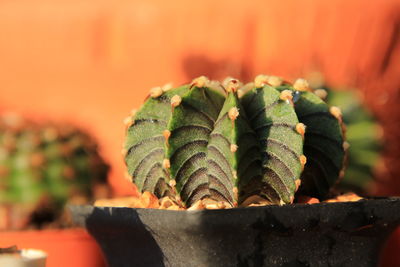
(44, 166)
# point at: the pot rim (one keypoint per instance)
(348, 216)
(367, 200)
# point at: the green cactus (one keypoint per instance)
(44, 166)
(363, 133)
(228, 144)
(324, 140)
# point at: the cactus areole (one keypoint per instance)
(233, 144)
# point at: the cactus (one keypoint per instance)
(324, 140)
(363, 132)
(229, 145)
(44, 166)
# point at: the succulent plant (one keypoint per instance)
(364, 134)
(44, 166)
(231, 144)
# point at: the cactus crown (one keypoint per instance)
(232, 144)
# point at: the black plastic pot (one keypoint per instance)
(326, 234)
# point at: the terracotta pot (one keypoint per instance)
(325, 234)
(65, 248)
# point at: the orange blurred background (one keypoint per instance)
(92, 61)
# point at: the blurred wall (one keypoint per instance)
(92, 61)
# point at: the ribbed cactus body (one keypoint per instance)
(364, 134)
(203, 141)
(192, 168)
(146, 143)
(274, 121)
(323, 145)
(44, 166)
